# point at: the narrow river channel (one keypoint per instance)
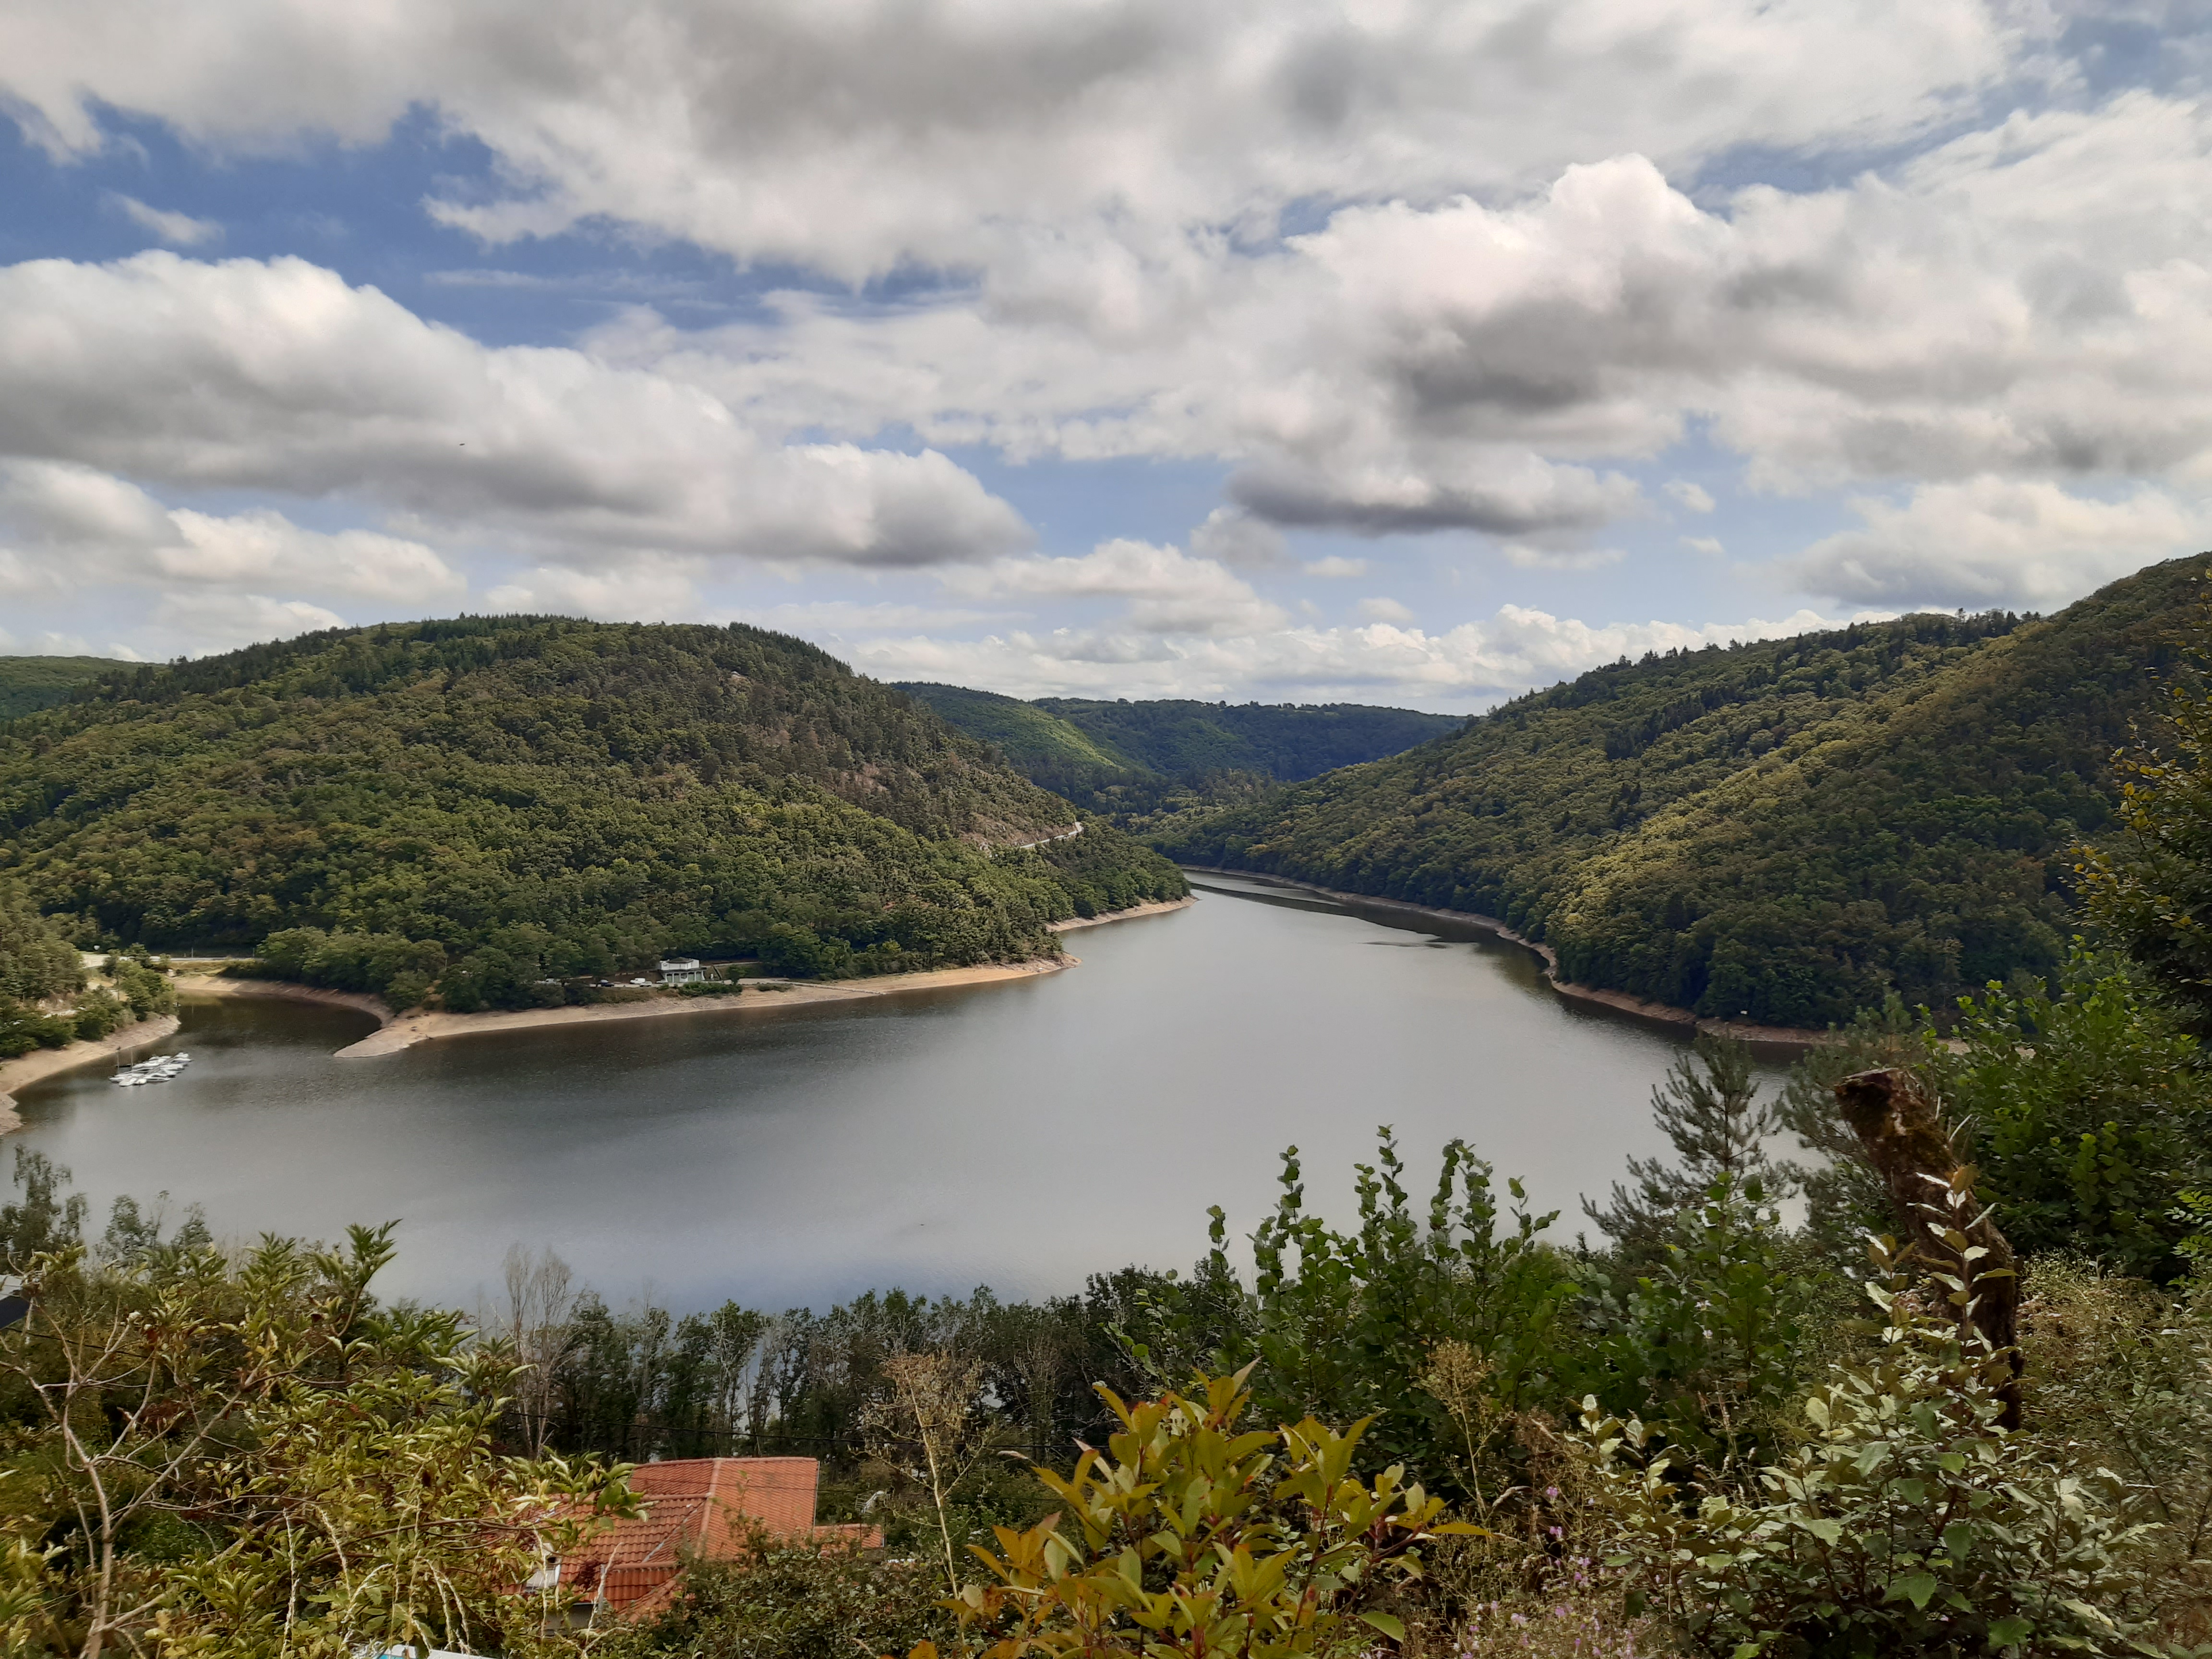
(1020, 1135)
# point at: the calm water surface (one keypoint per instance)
(1021, 1135)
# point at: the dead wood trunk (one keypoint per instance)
(1906, 1142)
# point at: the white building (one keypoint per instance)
(682, 970)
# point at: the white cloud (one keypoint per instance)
(1709, 545)
(279, 376)
(1168, 591)
(209, 622)
(1997, 541)
(1335, 568)
(641, 588)
(71, 526)
(1238, 538)
(859, 137)
(1695, 497)
(1384, 609)
(178, 229)
(1472, 665)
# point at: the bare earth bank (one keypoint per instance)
(39, 1063)
(405, 1030)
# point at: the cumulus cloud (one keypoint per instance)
(280, 376)
(1997, 541)
(72, 525)
(1471, 665)
(208, 622)
(1238, 538)
(1695, 497)
(858, 138)
(1168, 591)
(1335, 568)
(1384, 609)
(178, 229)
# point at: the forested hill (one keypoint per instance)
(567, 797)
(1130, 759)
(1790, 829)
(30, 683)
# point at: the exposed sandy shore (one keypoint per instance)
(1662, 1014)
(405, 1030)
(29, 1068)
(1159, 906)
(409, 1029)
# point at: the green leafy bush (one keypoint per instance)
(1908, 1523)
(792, 1601)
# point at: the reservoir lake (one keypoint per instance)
(1021, 1134)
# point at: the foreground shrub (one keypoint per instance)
(251, 1459)
(1911, 1522)
(793, 1600)
(1186, 1537)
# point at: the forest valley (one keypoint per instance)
(1961, 1407)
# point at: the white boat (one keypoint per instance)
(160, 1069)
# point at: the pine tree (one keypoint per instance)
(1709, 1110)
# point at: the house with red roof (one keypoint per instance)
(698, 1509)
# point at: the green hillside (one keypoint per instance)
(1791, 829)
(1289, 742)
(528, 797)
(1151, 766)
(1033, 739)
(30, 683)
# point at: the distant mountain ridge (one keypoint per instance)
(30, 683)
(1130, 757)
(546, 796)
(1791, 829)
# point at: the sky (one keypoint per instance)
(1396, 352)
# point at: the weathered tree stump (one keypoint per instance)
(1911, 1149)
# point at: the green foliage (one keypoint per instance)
(2116, 1370)
(1908, 1523)
(1791, 829)
(1031, 737)
(2090, 1114)
(35, 961)
(1286, 741)
(1342, 1324)
(1708, 1344)
(251, 1458)
(1710, 1111)
(30, 683)
(1186, 1537)
(1146, 765)
(536, 798)
(2151, 891)
(792, 1602)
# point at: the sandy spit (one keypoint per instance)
(409, 1029)
(1157, 907)
(1662, 1014)
(39, 1063)
(405, 1030)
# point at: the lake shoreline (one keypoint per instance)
(1619, 1002)
(42, 1063)
(398, 1032)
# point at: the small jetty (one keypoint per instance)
(160, 1069)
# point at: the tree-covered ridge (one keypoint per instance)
(1030, 737)
(1288, 741)
(569, 797)
(30, 683)
(1791, 829)
(1149, 766)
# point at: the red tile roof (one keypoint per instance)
(698, 1509)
